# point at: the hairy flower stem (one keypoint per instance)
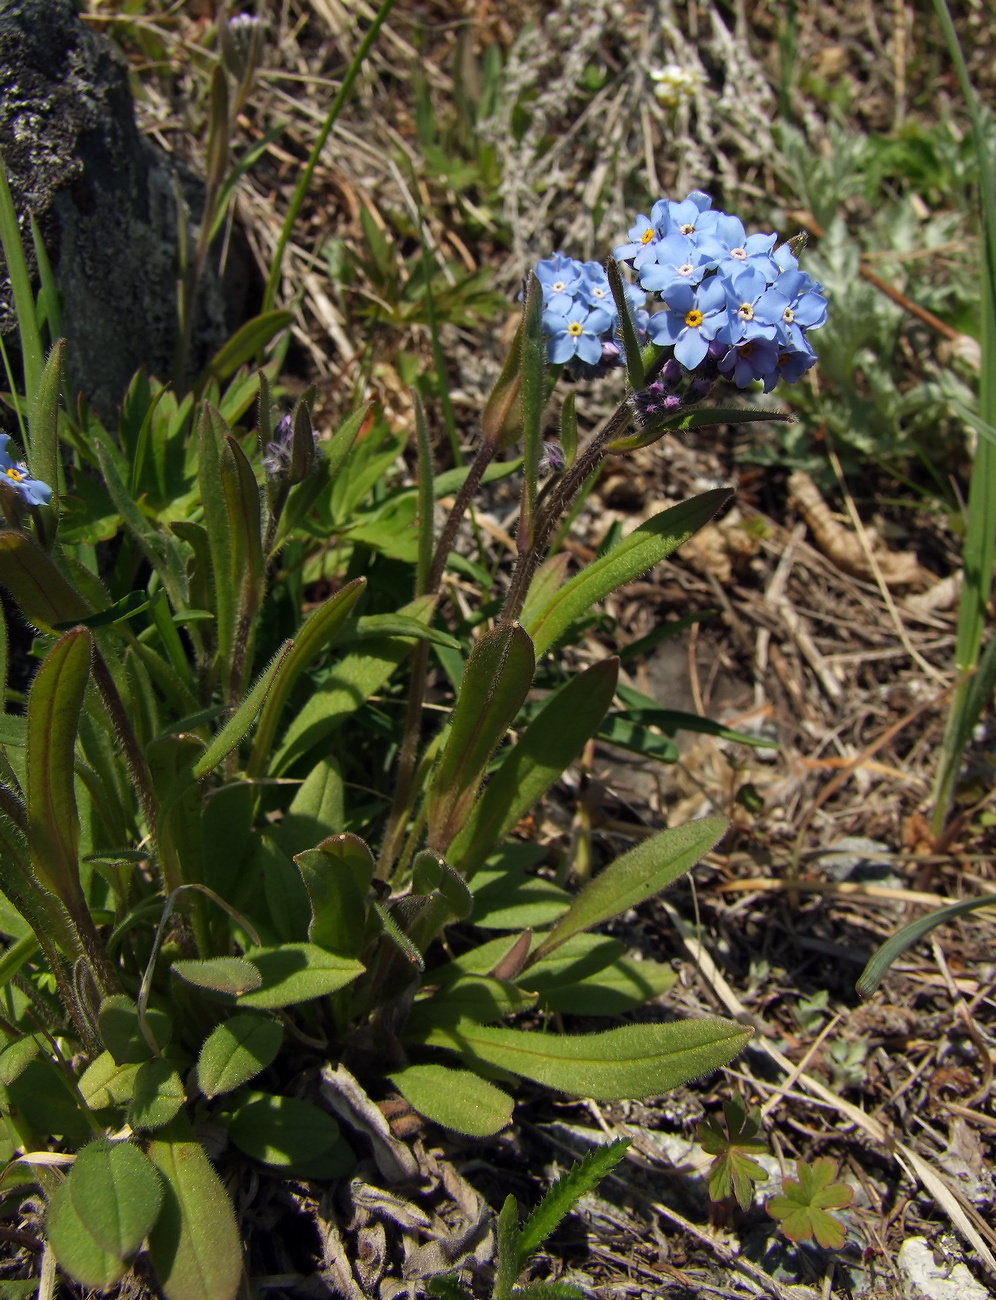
(558, 501)
(485, 455)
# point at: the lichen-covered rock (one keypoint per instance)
(104, 199)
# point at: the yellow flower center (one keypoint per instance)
(694, 318)
(687, 229)
(574, 329)
(788, 315)
(745, 311)
(14, 474)
(647, 235)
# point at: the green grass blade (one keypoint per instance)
(882, 959)
(301, 189)
(24, 298)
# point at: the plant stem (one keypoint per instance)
(559, 500)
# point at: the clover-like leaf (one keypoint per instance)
(734, 1170)
(802, 1209)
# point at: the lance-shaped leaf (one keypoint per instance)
(317, 631)
(43, 595)
(567, 720)
(244, 517)
(54, 704)
(697, 418)
(565, 1193)
(195, 1243)
(456, 1099)
(884, 956)
(297, 972)
(337, 875)
(641, 550)
(501, 419)
(495, 682)
(220, 974)
(636, 876)
(631, 1062)
(248, 341)
(569, 430)
(243, 717)
(211, 433)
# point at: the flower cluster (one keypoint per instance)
(734, 306)
(579, 313)
(15, 474)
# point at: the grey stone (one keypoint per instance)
(104, 198)
(924, 1278)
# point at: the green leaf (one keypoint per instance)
(121, 1033)
(374, 625)
(231, 975)
(446, 1286)
(565, 1193)
(882, 959)
(632, 355)
(236, 1051)
(117, 1194)
(15, 1059)
(104, 1083)
(317, 811)
(245, 344)
(569, 718)
(456, 1099)
(43, 423)
(533, 396)
(20, 283)
(477, 999)
(618, 730)
(641, 550)
(622, 985)
(317, 631)
(507, 1249)
(338, 875)
(43, 595)
(158, 1095)
(802, 1209)
(734, 1169)
(505, 898)
(282, 1131)
(54, 704)
(432, 874)
(297, 972)
(635, 877)
(496, 678)
(243, 717)
(354, 679)
(74, 1247)
(195, 1244)
(634, 1061)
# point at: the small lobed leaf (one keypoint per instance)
(802, 1209)
(456, 1099)
(236, 1052)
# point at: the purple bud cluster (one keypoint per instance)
(733, 306)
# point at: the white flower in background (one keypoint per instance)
(673, 83)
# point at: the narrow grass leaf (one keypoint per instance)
(246, 343)
(24, 298)
(883, 957)
(455, 1099)
(565, 1193)
(43, 421)
(641, 550)
(631, 1062)
(639, 874)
